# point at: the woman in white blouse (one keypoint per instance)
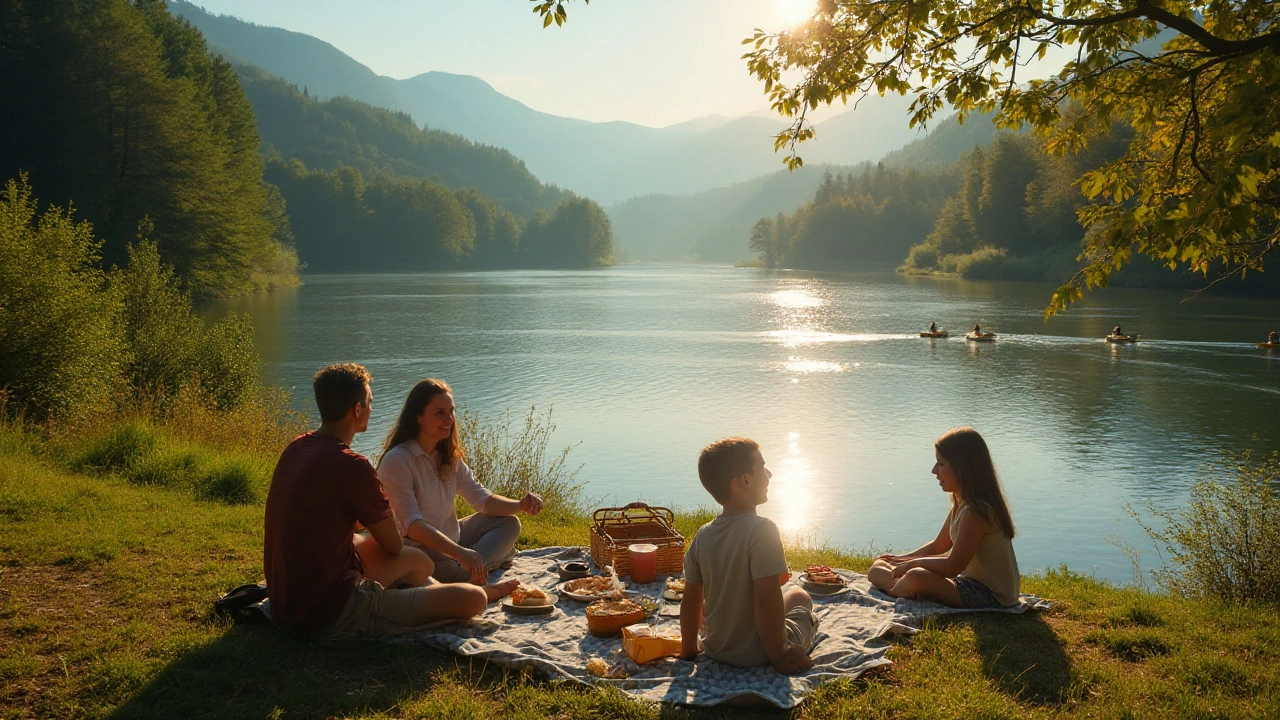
(422, 468)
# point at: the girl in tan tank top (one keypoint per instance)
(970, 564)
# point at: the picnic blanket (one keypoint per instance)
(853, 625)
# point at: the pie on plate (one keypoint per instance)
(592, 587)
(531, 602)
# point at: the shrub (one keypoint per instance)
(985, 263)
(260, 424)
(145, 455)
(168, 468)
(1226, 542)
(233, 481)
(921, 259)
(59, 346)
(120, 450)
(510, 458)
(169, 347)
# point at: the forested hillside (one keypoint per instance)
(856, 220)
(341, 131)
(1004, 211)
(117, 108)
(369, 191)
(1014, 213)
(346, 222)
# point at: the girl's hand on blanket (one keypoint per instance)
(795, 659)
(473, 563)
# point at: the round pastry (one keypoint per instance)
(608, 617)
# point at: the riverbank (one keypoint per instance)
(106, 586)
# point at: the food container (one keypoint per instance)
(644, 562)
(608, 617)
(614, 530)
(645, 645)
(572, 570)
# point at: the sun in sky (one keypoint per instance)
(794, 12)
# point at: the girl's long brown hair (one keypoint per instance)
(449, 449)
(968, 455)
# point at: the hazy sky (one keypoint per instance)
(654, 62)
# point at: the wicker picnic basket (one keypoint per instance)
(613, 530)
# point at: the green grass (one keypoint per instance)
(106, 583)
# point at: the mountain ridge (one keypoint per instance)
(609, 161)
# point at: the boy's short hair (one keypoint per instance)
(722, 461)
(337, 388)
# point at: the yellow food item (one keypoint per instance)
(598, 667)
(675, 585)
(645, 645)
(528, 597)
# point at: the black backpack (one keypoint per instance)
(239, 603)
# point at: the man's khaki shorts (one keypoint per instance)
(374, 612)
(801, 626)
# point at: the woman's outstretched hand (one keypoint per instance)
(531, 504)
(893, 559)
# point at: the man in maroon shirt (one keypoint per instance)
(319, 585)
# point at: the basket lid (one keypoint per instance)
(631, 513)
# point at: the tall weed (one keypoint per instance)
(510, 457)
(1226, 542)
(262, 424)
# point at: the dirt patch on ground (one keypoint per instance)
(43, 610)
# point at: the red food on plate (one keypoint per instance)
(822, 575)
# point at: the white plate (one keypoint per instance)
(672, 595)
(823, 588)
(546, 609)
(580, 597)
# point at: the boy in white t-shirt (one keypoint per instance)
(733, 570)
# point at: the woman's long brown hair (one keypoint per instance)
(449, 449)
(968, 455)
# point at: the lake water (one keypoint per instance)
(646, 364)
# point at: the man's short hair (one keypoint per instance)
(337, 388)
(722, 461)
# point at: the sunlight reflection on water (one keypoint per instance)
(801, 365)
(792, 490)
(800, 298)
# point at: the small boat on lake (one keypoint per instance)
(981, 337)
(934, 334)
(1113, 338)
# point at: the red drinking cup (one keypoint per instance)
(644, 562)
